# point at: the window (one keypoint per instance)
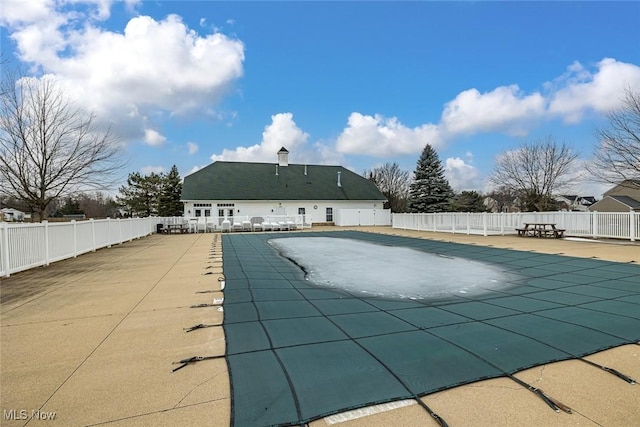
(301, 211)
(226, 205)
(329, 214)
(207, 212)
(198, 212)
(202, 205)
(221, 213)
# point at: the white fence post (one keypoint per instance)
(484, 223)
(75, 237)
(46, 242)
(4, 247)
(594, 225)
(632, 225)
(93, 235)
(108, 232)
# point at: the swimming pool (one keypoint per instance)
(298, 350)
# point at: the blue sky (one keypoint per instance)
(351, 83)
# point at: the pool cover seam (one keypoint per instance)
(391, 372)
(426, 330)
(348, 339)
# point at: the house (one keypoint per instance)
(575, 203)
(502, 203)
(624, 197)
(11, 215)
(312, 193)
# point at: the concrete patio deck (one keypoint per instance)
(91, 341)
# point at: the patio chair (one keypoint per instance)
(256, 223)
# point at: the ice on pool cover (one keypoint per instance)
(387, 271)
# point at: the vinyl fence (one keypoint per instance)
(24, 245)
(364, 217)
(614, 225)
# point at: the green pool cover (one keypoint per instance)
(297, 351)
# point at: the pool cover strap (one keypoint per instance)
(297, 351)
(200, 326)
(194, 359)
(611, 371)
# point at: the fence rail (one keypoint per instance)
(615, 225)
(24, 245)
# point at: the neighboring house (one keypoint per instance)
(502, 203)
(575, 203)
(624, 197)
(259, 190)
(11, 215)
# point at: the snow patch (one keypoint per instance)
(387, 271)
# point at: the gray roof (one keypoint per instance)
(258, 181)
(628, 201)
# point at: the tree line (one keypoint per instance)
(55, 157)
(427, 191)
(530, 174)
(155, 194)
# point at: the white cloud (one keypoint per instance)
(462, 175)
(192, 148)
(504, 109)
(153, 138)
(579, 90)
(282, 132)
(147, 170)
(381, 137)
(149, 69)
(20, 12)
(194, 169)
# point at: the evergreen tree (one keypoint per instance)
(169, 202)
(430, 191)
(468, 201)
(141, 194)
(71, 207)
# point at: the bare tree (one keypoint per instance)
(617, 156)
(534, 172)
(393, 183)
(48, 146)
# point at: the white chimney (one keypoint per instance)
(283, 157)
(305, 169)
(339, 183)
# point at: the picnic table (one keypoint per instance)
(175, 228)
(540, 229)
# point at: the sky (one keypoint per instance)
(356, 84)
